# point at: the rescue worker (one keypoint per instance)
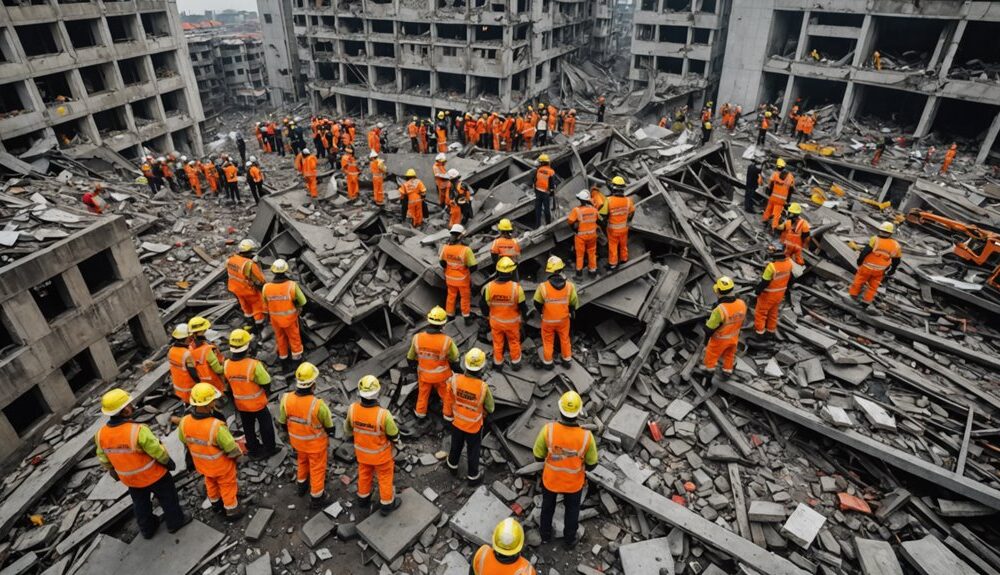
(723, 327)
(241, 147)
(504, 298)
(93, 200)
(804, 127)
(211, 174)
(309, 172)
(205, 356)
(411, 131)
(147, 172)
(255, 179)
(441, 131)
(167, 173)
(556, 300)
(191, 171)
(618, 211)
(378, 170)
(753, 181)
(949, 157)
(375, 138)
(505, 556)
(308, 422)
(569, 124)
(706, 133)
(412, 193)
(131, 454)
(471, 402)
(877, 261)
(793, 117)
(781, 186)
(765, 125)
(375, 432)
(213, 450)
(775, 282)
(441, 180)
(457, 260)
(245, 282)
(460, 199)
(432, 354)
(583, 220)
(250, 382)
(352, 174)
(568, 451)
(528, 133)
(877, 60)
(880, 147)
(601, 107)
(183, 374)
(546, 182)
(283, 302)
(506, 245)
(232, 182)
(795, 233)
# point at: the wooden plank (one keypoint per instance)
(739, 499)
(897, 458)
(693, 524)
(964, 451)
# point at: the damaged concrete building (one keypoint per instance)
(112, 73)
(937, 70)
(286, 77)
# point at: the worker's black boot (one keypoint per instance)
(549, 366)
(515, 366)
(302, 488)
(387, 508)
(498, 367)
(218, 507)
(566, 362)
(234, 514)
(364, 504)
(475, 481)
(319, 502)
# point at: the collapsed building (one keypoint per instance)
(90, 74)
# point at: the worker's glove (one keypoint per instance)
(170, 465)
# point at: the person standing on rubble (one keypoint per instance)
(504, 298)
(775, 282)
(765, 125)
(949, 157)
(440, 169)
(374, 139)
(569, 124)
(546, 182)
(877, 261)
(241, 147)
(472, 401)
(245, 280)
(723, 328)
(441, 131)
(527, 133)
(283, 303)
(583, 220)
(804, 127)
(569, 451)
(753, 181)
(131, 454)
(706, 133)
(183, 374)
(379, 171)
(352, 174)
(205, 356)
(191, 171)
(412, 131)
(880, 147)
(556, 300)
(431, 135)
(506, 245)
(279, 144)
(433, 354)
(458, 260)
(211, 174)
(505, 556)
(167, 173)
(542, 129)
(601, 107)
(460, 199)
(412, 194)
(309, 173)
(795, 233)
(375, 433)
(232, 182)
(781, 186)
(93, 200)
(255, 180)
(147, 171)
(308, 423)
(250, 383)
(618, 211)
(213, 450)
(877, 60)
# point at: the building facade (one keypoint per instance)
(99, 72)
(281, 54)
(243, 70)
(402, 58)
(933, 75)
(202, 48)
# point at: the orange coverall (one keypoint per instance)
(504, 299)
(458, 260)
(872, 268)
(727, 319)
(618, 210)
(778, 274)
(584, 220)
(781, 187)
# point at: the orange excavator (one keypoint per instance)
(972, 243)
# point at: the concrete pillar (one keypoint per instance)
(863, 46)
(9, 440)
(24, 318)
(989, 140)
(847, 106)
(942, 41)
(786, 102)
(927, 117)
(949, 55)
(104, 360)
(56, 391)
(800, 50)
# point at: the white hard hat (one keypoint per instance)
(161, 159)
(379, 125)
(184, 158)
(452, 174)
(305, 150)
(191, 162)
(249, 164)
(457, 229)
(583, 196)
(441, 157)
(253, 158)
(373, 154)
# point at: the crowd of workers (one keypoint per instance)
(219, 172)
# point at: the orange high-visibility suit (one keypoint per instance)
(584, 220)
(781, 188)
(792, 236)
(618, 210)
(307, 418)
(442, 139)
(505, 133)
(309, 173)
(200, 354)
(778, 274)
(422, 138)
(372, 427)
(211, 175)
(178, 357)
(505, 247)
(245, 281)
(553, 118)
(480, 129)
(434, 353)
(298, 162)
(504, 299)
(352, 173)
(414, 190)
(201, 435)
(872, 268)
(377, 166)
(458, 260)
(193, 179)
(374, 141)
(727, 319)
(528, 134)
(557, 305)
(949, 157)
(460, 197)
(569, 125)
(282, 301)
(440, 170)
(134, 467)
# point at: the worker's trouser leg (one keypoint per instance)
(377, 191)
(384, 472)
(252, 306)
(311, 186)
(442, 146)
(765, 313)
(509, 333)
(527, 143)
(196, 186)
(288, 338)
(461, 291)
(795, 252)
(571, 520)
(585, 245)
(424, 387)
(749, 196)
(543, 208)
(617, 246)
(413, 145)
(775, 206)
(352, 187)
(415, 211)
(474, 442)
(551, 329)
(142, 505)
(222, 487)
(454, 214)
(866, 277)
(724, 349)
(312, 468)
(252, 420)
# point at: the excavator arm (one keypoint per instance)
(980, 247)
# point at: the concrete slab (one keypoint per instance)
(929, 556)
(766, 511)
(635, 470)
(479, 516)
(105, 557)
(678, 409)
(453, 563)
(651, 557)
(877, 557)
(875, 413)
(258, 524)
(260, 565)
(838, 416)
(317, 529)
(391, 535)
(628, 425)
(169, 554)
(803, 525)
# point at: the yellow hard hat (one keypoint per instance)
(437, 316)
(570, 404)
(506, 265)
(198, 324)
(505, 225)
(554, 264)
(544, 158)
(708, 125)
(794, 208)
(475, 359)
(767, 114)
(203, 394)
(114, 401)
(780, 163)
(724, 284)
(305, 375)
(368, 386)
(440, 115)
(279, 267)
(180, 331)
(508, 537)
(887, 227)
(617, 181)
(239, 340)
(247, 245)
(411, 173)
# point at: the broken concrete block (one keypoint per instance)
(766, 511)
(317, 529)
(479, 516)
(836, 415)
(389, 535)
(634, 470)
(929, 556)
(651, 557)
(260, 566)
(628, 425)
(721, 452)
(877, 557)
(258, 524)
(803, 525)
(875, 413)
(453, 563)
(678, 409)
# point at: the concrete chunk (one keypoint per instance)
(766, 511)
(258, 524)
(876, 557)
(651, 557)
(260, 566)
(838, 416)
(628, 425)
(878, 416)
(929, 556)
(389, 535)
(634, 470)
(803, 525)
(479, 516)
(678, 409)
(317, 529)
